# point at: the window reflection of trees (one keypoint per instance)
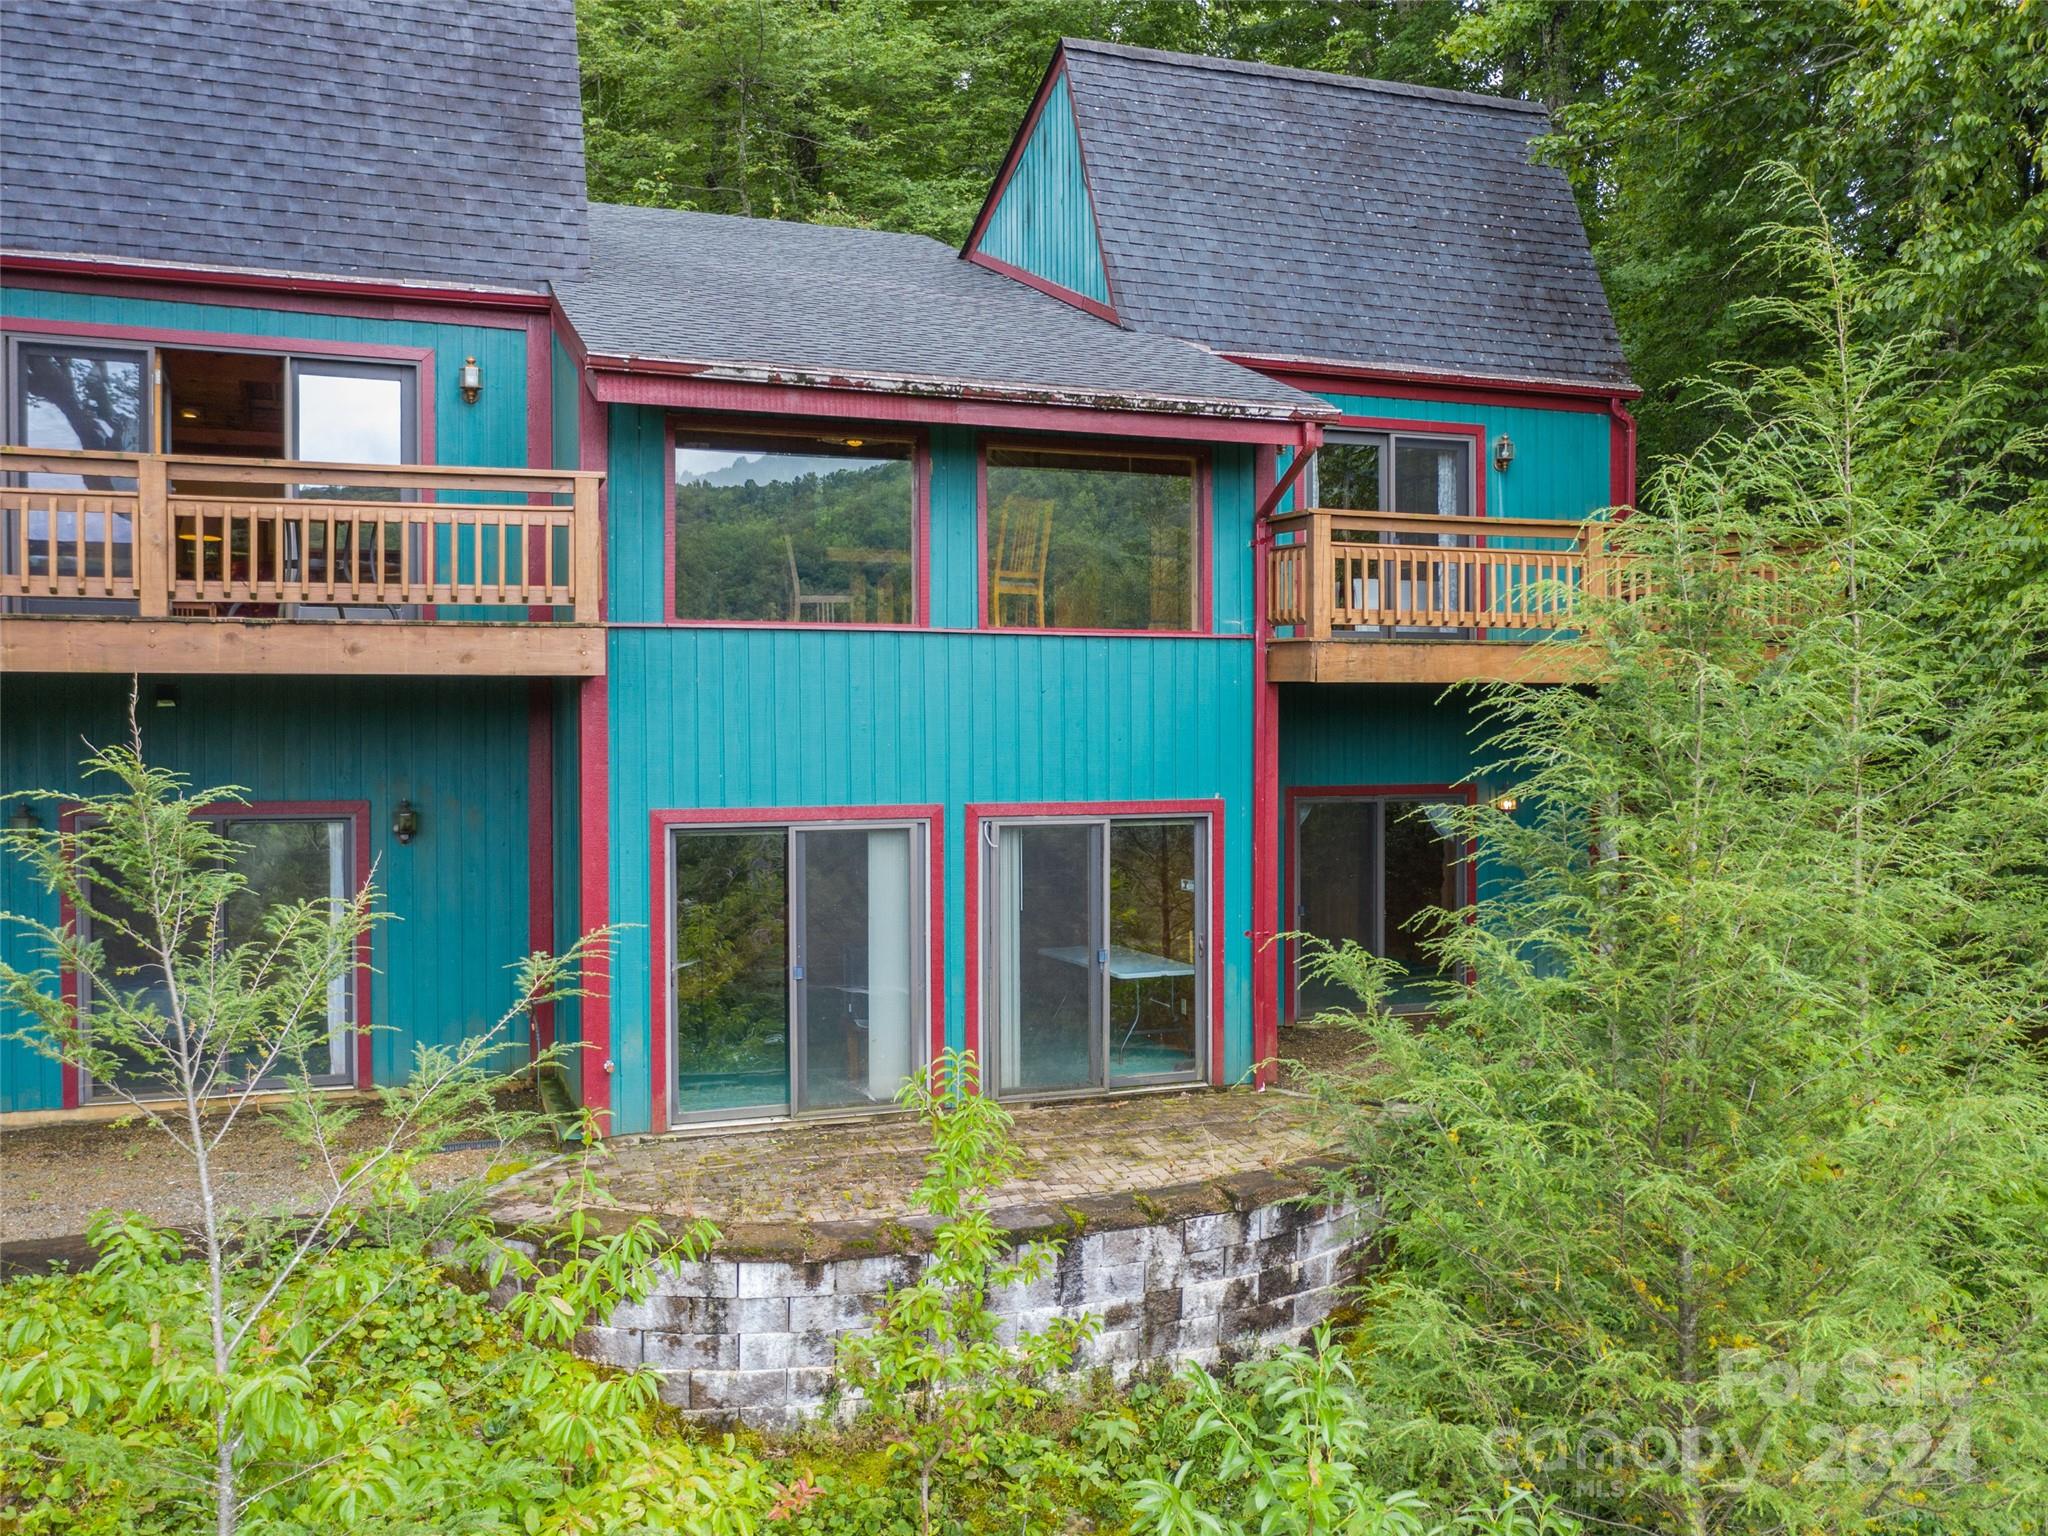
(848, 533)
(1121, 553)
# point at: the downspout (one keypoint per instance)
(1268, 488)
(1621, 468)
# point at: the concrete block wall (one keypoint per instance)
(1201, 1273)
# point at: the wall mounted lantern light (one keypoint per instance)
(24, 818)
(405, 821)
(1506, 803)
(1503, 452)
(472, 380)
(164, 696)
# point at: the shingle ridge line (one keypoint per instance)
(1315, 76)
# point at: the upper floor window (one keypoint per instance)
(1392, 472)
(1085, 540)
(795, 529)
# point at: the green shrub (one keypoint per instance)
(935, 1374)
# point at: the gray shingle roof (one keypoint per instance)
(812, 303)
(411, 139)
(1289, 213)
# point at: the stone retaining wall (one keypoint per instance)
(1204, 1272)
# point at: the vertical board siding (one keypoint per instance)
(733, 716)
(490, 432)
(751, 717)
(456, 748)
(566, 388)
(1044, 222)
(568, 764)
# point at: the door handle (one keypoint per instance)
(796, 973)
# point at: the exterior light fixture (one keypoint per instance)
(164, 696)
(405, 821)
(855, 442)
(472, 380)
(24, 818)
(1503, 452)
(189, 413)
(1506, 803)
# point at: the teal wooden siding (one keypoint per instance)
(750, 717)
(490, 432)
(729, 716)
(1561, 463)
(1043, 222)
(455, 748)
(567, 405)
(1373, 733)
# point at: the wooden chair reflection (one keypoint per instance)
(823, 607)
(1017, 556)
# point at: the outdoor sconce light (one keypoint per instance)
(1506, 803)
(24, 818)
(1503, 452)
(164, 696)
(405, 821)
(472, 379)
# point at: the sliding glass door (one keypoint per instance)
(797, 974)
(1095, 948)
(1365, 868)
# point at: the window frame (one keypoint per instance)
(1471, 435)
(1298, 795)
(917, 436)
(358, 1022)
(150, 341)
(980, 971)
(1201, 464)
(927, 917)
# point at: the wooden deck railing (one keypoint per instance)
(1407, 575)
(203, 537)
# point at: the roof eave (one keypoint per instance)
(1280, 362)
(932, 387)
(92, 264)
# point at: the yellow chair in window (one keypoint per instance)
(1017, 556)
(818, 607)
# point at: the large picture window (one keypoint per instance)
(800, 530)
(1096, 952)
(796, 969)
(282, 859)
(1091, 541)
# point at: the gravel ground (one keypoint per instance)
(54, 1178)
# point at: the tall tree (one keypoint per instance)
(1715, 1201)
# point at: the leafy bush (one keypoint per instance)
(936, 1376)
(1293, 1452)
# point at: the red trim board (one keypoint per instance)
(278, 283)
(1080, 301)
(1092, 810)
(1265, 783)
(931, 817)
(357, 814)
(1317, 377)
(688, 386)
(1466, 793)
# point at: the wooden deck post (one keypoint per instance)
(153, 535)
(1317, 559)
(588, 559)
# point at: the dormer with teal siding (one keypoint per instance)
(1038, 224)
